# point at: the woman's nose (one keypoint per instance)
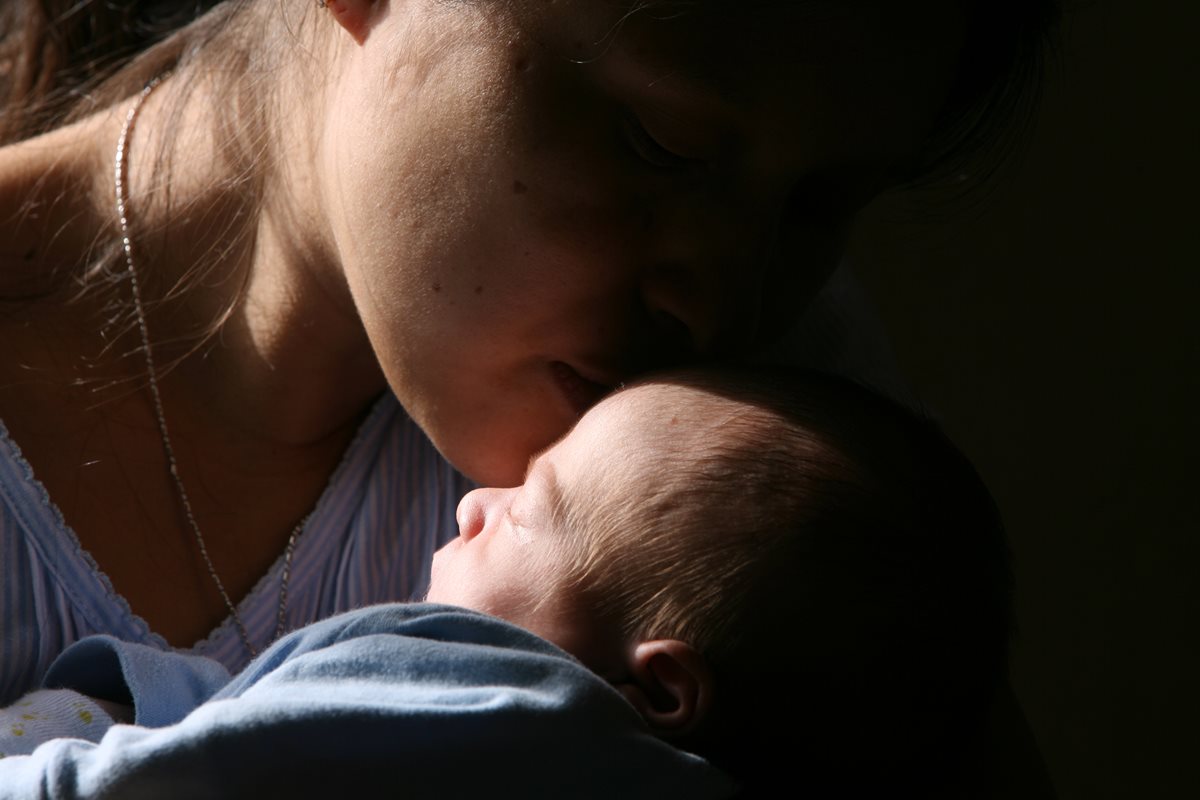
(726, 271)
(474, 510)
(708, 302)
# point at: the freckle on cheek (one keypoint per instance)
(519, 188)
(478, 290)
(437, 287)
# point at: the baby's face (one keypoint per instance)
(513, 551)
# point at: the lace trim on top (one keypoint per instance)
(74, 568)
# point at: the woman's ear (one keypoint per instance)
(670, 684)
(355, 16)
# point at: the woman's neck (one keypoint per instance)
(287, 359)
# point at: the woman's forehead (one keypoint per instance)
(724, 42)
(861, 82)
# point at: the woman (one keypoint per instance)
(495, 211)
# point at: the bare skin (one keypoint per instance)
(454, 199)
(257, 438)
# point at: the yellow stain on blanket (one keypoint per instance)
(83, 712)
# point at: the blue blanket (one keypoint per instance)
(396, 700)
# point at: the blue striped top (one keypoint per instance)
(370, 539)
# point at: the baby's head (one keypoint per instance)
(744, 552)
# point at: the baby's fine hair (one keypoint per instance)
(842, 568)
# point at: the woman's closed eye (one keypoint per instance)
(650, 149)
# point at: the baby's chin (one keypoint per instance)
(437, 591)
(447, 583)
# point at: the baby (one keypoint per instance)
(780, 572)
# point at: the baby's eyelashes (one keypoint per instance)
(519, 523)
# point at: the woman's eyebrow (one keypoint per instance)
(693, 89)
(689, 93)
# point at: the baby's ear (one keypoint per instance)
(670, 684)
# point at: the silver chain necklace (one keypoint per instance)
(119, 170)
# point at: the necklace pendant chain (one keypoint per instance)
(120, 170)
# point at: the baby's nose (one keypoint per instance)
(472, 513)
(480, 509)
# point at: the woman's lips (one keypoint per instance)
(581, 393)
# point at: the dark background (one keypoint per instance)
(1053, 328)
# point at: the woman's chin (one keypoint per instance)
(501, 462)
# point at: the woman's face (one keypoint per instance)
(535, 201)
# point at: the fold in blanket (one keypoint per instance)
(413, 700)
